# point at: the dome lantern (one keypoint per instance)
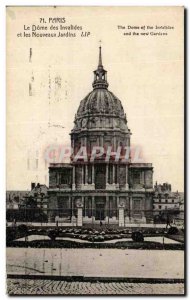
(100, 75)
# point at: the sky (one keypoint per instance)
(46, 84)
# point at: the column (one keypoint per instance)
(82, 175)
(73, 219)
(107, 209)
(117, 197)
(116, 176)
(86, 175)
(93, 174)
(58, 179)
(116, 172)
(121, 216)
(70, 207)
(107, 176)
(73, 181)
(126, 179)
(79, 212)
(83, 204)
(79, 216)
(142, 178)
(114, 143)
(101, 138)
(113, 178)
(131, 208)
(93, 209)
(57, 209)
(143, 210)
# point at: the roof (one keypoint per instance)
(140, 165)
(60, 165)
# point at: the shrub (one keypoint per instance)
(52, 234)
(10, 234)
(137, 236)
(22, 229)
(173, 230)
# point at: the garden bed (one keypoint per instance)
(73, 244)
(149, 238)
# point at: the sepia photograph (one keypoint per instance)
(95, 150)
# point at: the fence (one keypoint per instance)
(91, 216)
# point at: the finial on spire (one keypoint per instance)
(100, 55)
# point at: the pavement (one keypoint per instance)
(102, 263)
(53, 287)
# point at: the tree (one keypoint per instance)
(137, 236)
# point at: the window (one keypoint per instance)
(100, 176)
(110, 174)
(65, 178)
(160, 206)
(63, 202)
(137, 204)
(87, 211)
(63, 206)
(166, 200)
(89, 174)
(84, 173)
(112, 207)
(136, 178)
(172, 200)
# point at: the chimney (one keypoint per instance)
(33, 185)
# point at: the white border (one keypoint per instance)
(3, 4)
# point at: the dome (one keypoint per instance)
(100, 108)
(100, 101)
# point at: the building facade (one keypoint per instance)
(14, 198)
(101, 184)
(39, 193)
(166, 203)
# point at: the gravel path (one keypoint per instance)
(49, 287)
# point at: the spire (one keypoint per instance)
(100, 75)
(100, 57)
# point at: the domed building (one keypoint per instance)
(100, 185)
